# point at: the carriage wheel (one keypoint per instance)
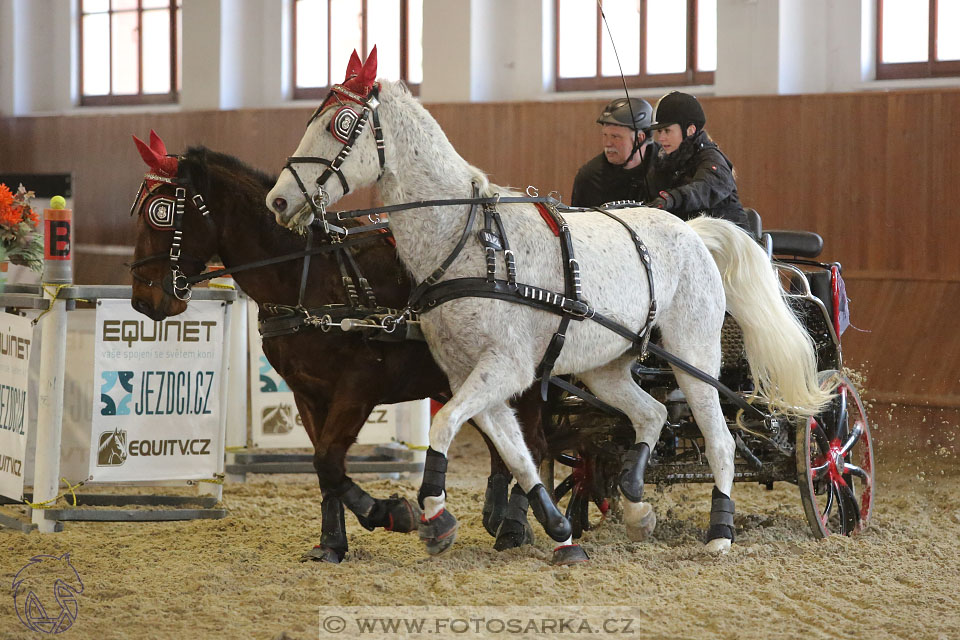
(835, 462)
(578, 485)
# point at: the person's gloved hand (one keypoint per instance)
(665, 201)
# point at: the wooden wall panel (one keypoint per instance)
(876, 174)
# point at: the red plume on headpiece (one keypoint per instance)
(361, 77)
(156, 156)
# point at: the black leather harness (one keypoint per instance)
(570, 305)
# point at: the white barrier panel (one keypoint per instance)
(158, 417)
(81, 395)
(16, 337)
(276, 423)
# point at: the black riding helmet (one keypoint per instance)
(679, 108)
(619, 112)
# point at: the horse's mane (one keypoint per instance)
(199, 162)
(201, 159)
(398, 91)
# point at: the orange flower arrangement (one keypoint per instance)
(20, 240)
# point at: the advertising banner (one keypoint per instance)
(16, 338)
(276, 423)
(158, 385)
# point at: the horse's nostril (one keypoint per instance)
(280, 205)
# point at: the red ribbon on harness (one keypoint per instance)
(542, 208)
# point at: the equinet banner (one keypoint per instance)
(16, 341)
(158, 385)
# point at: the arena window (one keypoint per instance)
(326, 32)
(129, 51)
(917, 39)
(660, 42)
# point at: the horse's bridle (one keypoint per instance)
(346, 126)
(165, 213)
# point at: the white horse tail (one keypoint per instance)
(779, 350)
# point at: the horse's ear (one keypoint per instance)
(149, 155)
(369, 74)
(160, 164)
(354, 66)
(157, 144)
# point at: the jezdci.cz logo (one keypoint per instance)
(158, 393)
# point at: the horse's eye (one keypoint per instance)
(343, 123)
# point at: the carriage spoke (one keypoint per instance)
(825, 514)
(819, 471)
(818, 433)
(849, 509)
(857, 471)
(842, 414)
(853, 439)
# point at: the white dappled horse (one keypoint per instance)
(490, 349)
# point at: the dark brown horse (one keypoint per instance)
(336, 377)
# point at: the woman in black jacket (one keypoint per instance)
(692, 175)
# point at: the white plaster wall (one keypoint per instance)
(843, 24)
(747, 47)
(251, 64)
(200, 84)
(40, 55)
(6, 58)
(446, 51)
(506, 45)
(819, 45)
(802, 47)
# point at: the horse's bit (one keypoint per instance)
(346, 126)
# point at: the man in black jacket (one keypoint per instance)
(621, 171)
(692, 175)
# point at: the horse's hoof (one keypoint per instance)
(718, 546)
(403, 516)
(640, 519)
(321, 553)
(568, 554)
(439, 532)
(513, 534)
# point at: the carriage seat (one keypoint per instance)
(805, 244)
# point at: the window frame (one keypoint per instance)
(930, 68)
(642, 80)
(139, 98)
(318, 93)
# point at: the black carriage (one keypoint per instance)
(829, 457)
